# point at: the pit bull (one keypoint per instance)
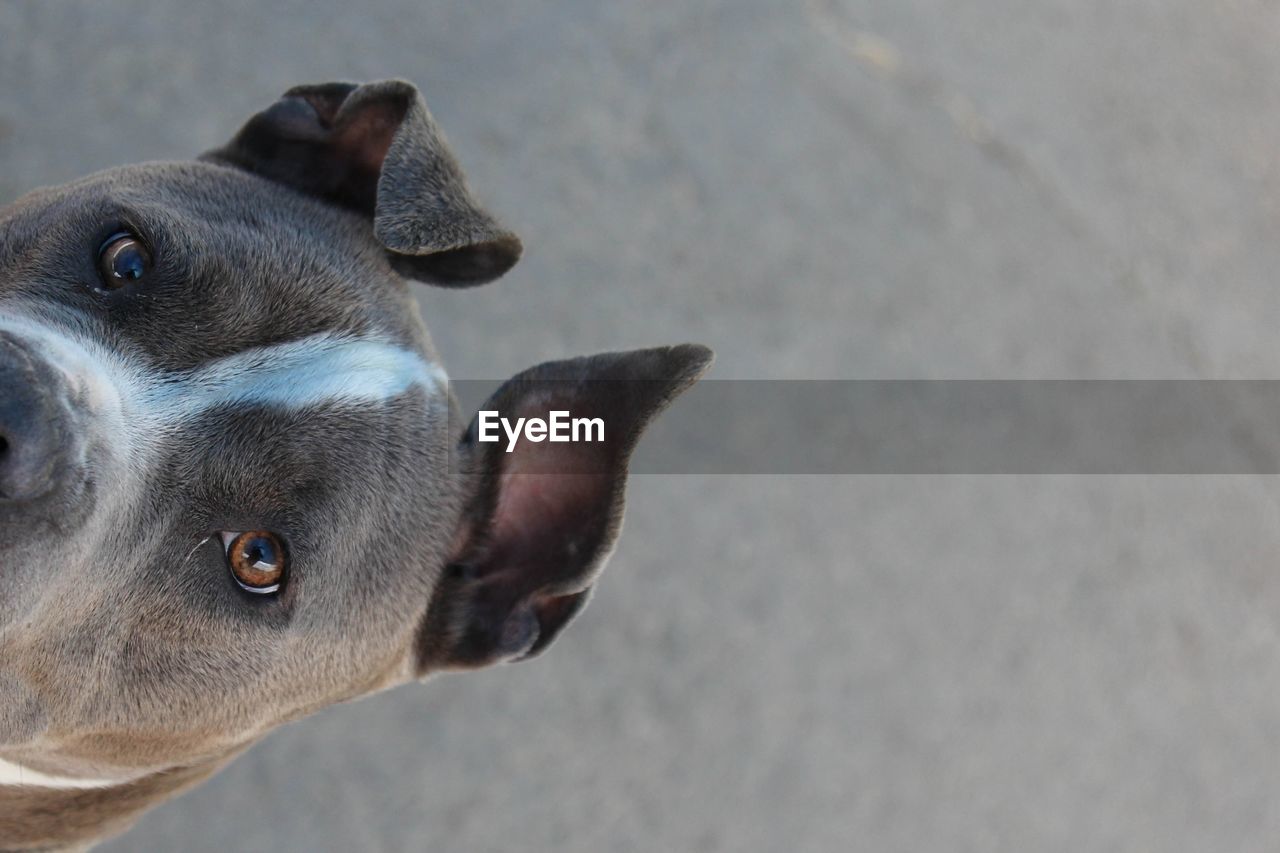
(234, 484)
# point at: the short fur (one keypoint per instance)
(138, 423)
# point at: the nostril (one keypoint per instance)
(26, 466)
(33, 426)
(5, 464)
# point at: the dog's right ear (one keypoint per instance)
(543, 516)
(375, 148)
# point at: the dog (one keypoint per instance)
(235, 487)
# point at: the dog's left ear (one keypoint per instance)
(376, 149)
(543, 517)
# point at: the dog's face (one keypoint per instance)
(233, 488)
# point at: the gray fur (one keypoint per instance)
(323, 140)
(126, 651)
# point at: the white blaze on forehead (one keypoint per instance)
(323, 369)
(315, 371)
(129, 410)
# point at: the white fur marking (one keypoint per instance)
(132, 408)
(319, 370)
(16, 774)
(323, 369)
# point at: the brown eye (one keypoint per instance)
(257, 560)
(122, 259)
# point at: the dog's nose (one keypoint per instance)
(32, 430)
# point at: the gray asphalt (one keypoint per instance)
(835, 189)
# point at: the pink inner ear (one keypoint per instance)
(366, 138)
(553, 497)
(364, 135)
(540, 512)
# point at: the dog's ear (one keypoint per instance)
(543, 517)
(375, 148)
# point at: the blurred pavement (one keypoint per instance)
(835, 189)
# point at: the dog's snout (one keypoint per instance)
(32, 425)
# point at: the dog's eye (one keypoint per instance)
(122, 259)
(257, 560)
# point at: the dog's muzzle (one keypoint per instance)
(36, 439)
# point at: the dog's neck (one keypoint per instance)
(16, 775)
(45, 811)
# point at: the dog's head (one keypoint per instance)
(233, 487)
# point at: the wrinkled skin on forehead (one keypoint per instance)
(129, 649)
